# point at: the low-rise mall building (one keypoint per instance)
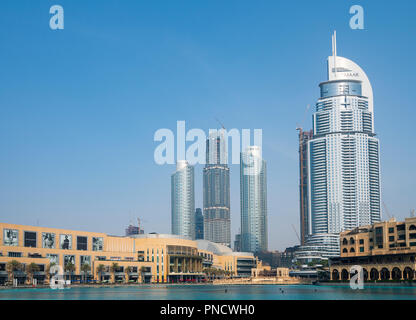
(385, 250)
(145, 258)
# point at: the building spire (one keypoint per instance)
(334, 51)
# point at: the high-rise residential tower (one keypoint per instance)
(216, 190)
(199, 224)
(253, 200)
(304, 137)
(343, 155)
(183, 200)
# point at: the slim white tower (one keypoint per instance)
(183, 200)
(253, 200)
(343, 155)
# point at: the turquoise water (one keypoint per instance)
(210, 292)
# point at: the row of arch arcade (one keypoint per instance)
(375, 274)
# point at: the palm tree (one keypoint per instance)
(69, 267)
(85, 268)
(100, 270)
(13, 266)
(31, 269)
(114, 267)
(143, 269)
(128, 270)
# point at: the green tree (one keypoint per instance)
(143, 270)
(85, 268)
(31, 269)
(114, 267)
(100, 270)
(13, 266)
(128, 270)
(69, 268)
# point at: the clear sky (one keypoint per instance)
(79, 106)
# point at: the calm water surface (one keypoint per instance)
(210, 292)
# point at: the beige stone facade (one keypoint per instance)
(155, 258)
(386, 251)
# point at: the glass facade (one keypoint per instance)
(253, 201)
(183, 200)
(199, 224)
(216, 190)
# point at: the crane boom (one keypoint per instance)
(386, 210)
(222, 126)
(297, 235)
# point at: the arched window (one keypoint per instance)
(374, 274)
(352, 240)
(412, 227)
(352, 250)
(344, 241)
(344, 250)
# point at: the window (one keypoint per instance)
(48, 240)
(401, 227)
(413, 244)
(82, 243)
(391, 230)
(97, 244)
(53, 258)
(30, 239)
(402, 237)
(85, 260)
(10, 237)
(66, 241)
(15, 254)
(69, 260)
(412, 236)
(361, 241)
(379, 236)
(361, 249)
(391, 238)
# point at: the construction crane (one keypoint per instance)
(139, 223)
(386, 210)
(222, 126)
(300, 126)
(297, 235)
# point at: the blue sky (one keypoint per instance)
(79, 107)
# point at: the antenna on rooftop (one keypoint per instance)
(334, 51)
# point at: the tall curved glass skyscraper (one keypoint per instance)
(183, 200)
(216, 189)
(344, 170)
(253, 200)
